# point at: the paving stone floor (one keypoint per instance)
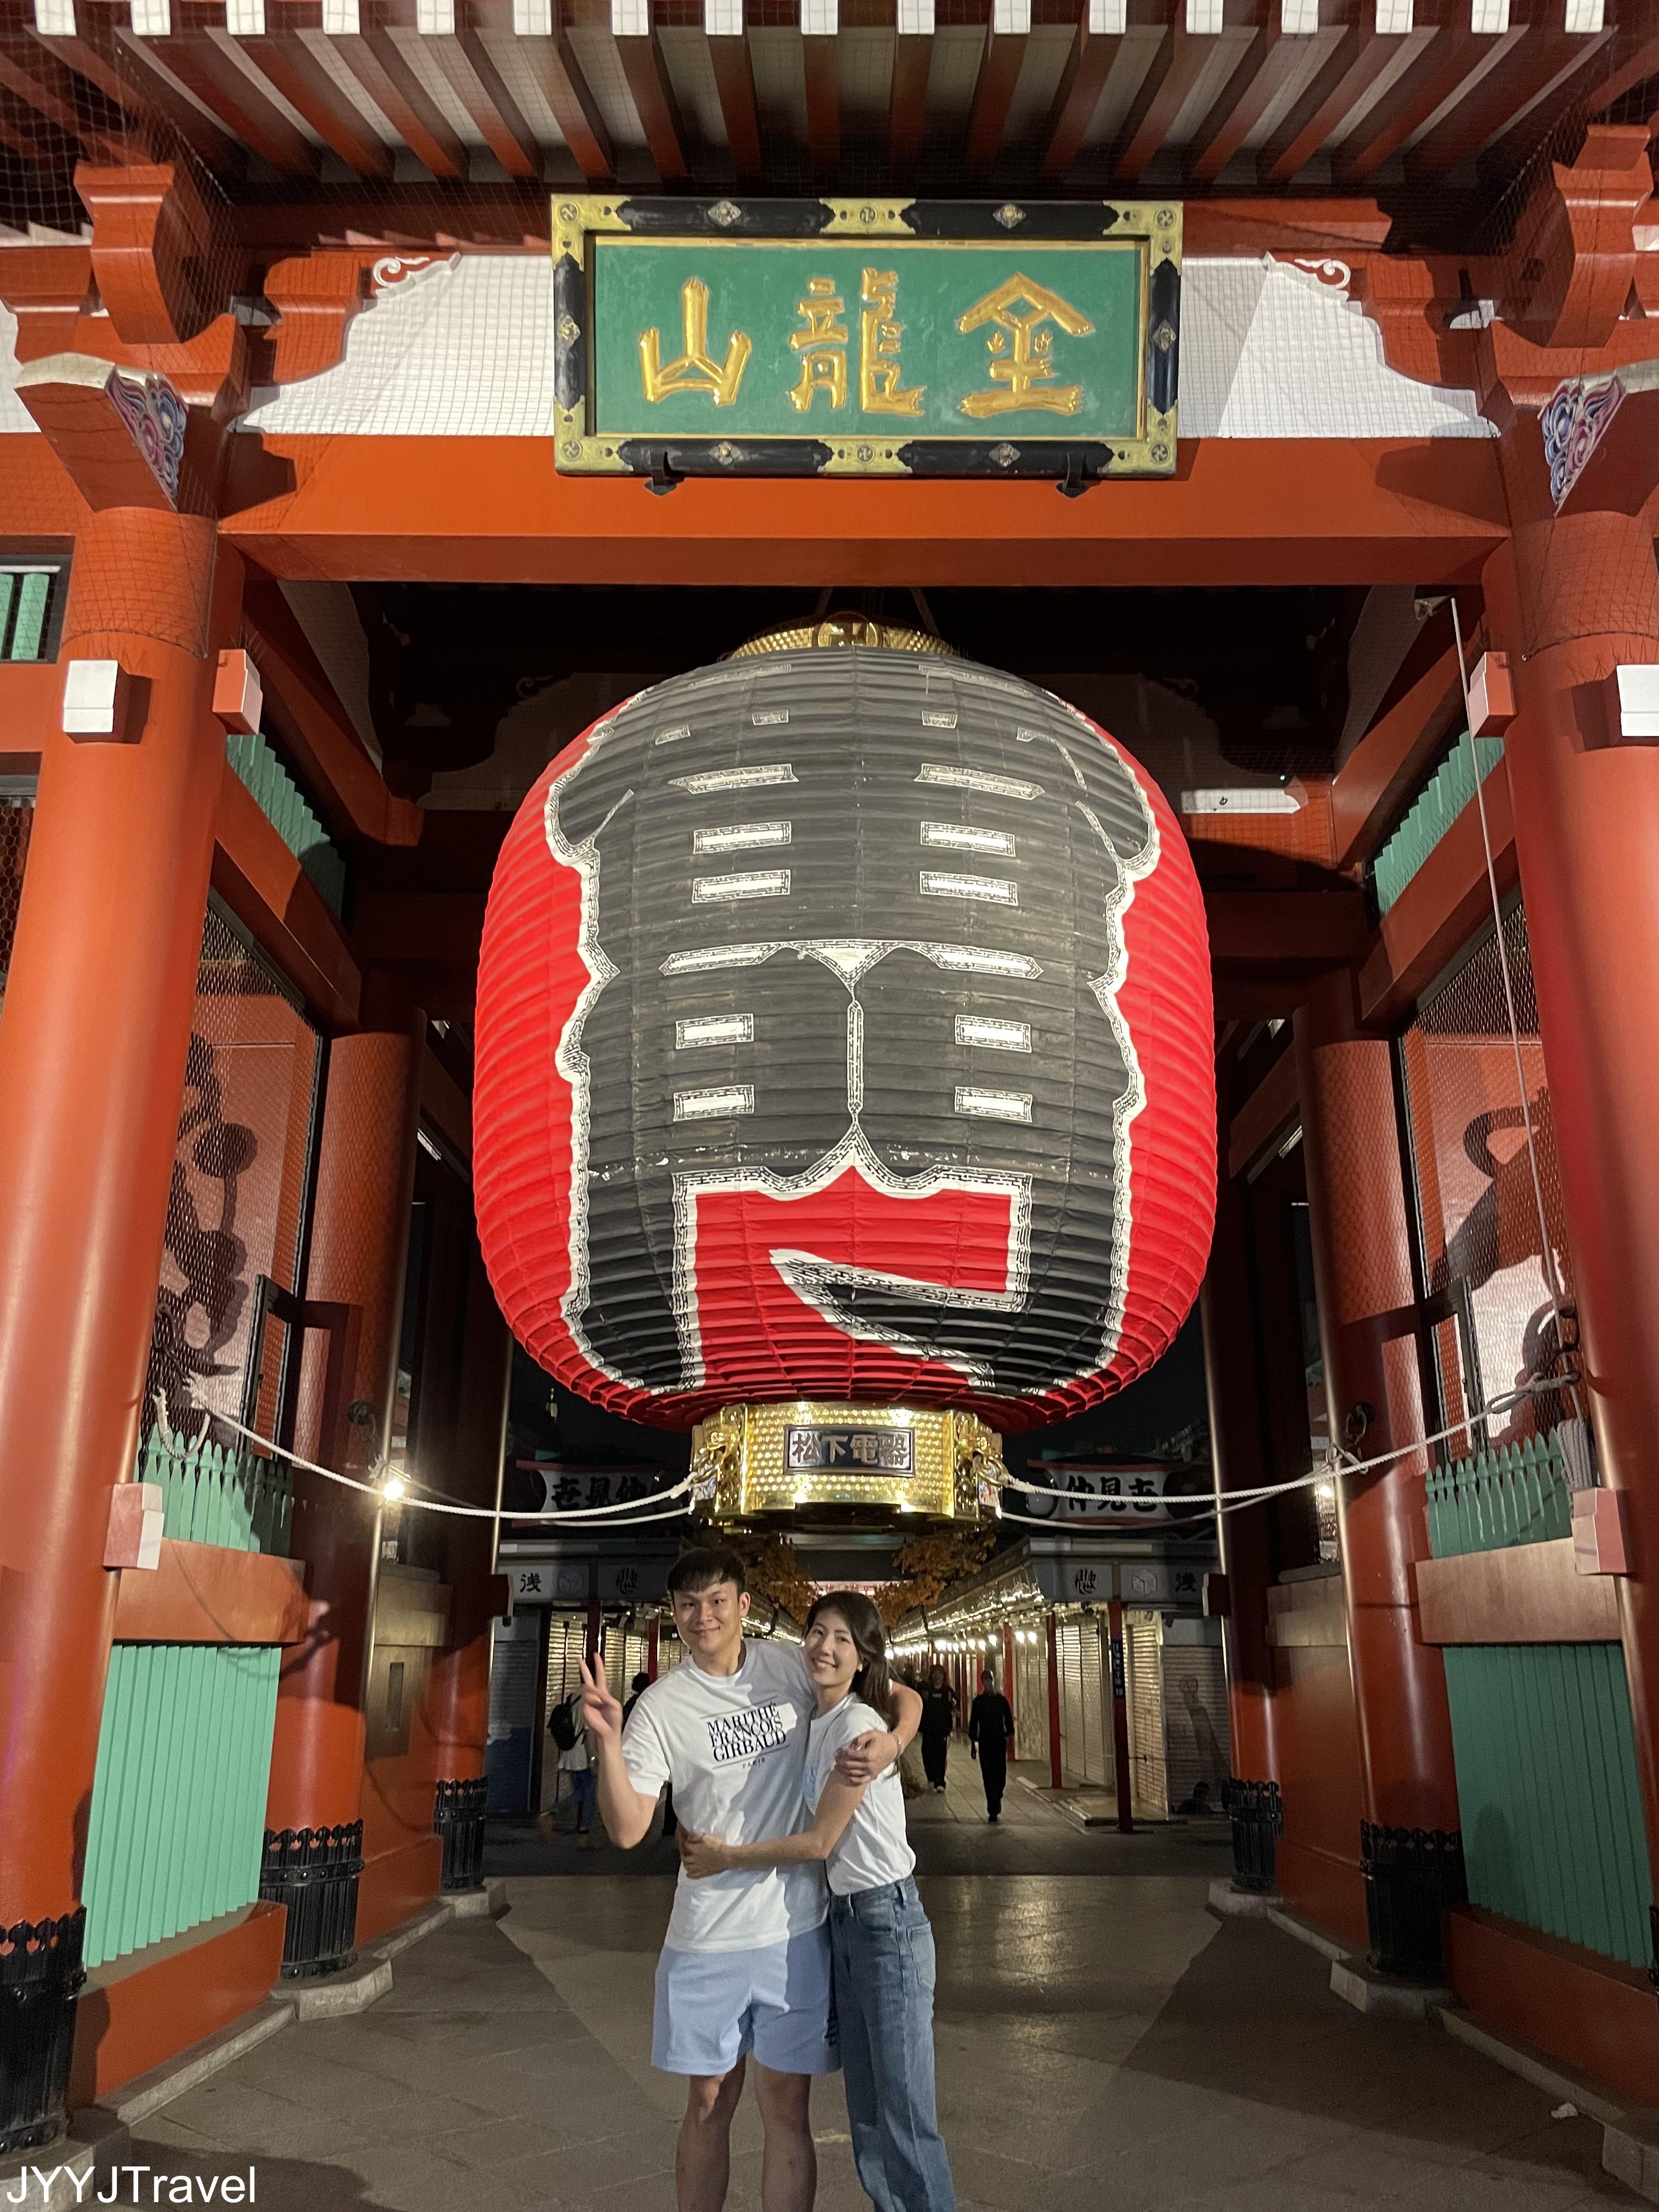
(1102, 2041)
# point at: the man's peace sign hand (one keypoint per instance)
(600, 1710)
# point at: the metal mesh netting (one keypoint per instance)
(16, 820)
(431, 120)
(1494, 1322)
(241, 1179)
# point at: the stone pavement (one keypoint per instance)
(1104, 2043)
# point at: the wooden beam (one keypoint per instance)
(907, 109)
(1441, 908)
(1087, 68)
(276, 901)
(999, 66)
(390, 83)
(734, 80)
(216, 145)
(1272, 59)
(1535, 58)
(1181, 59)
(1252, 928)
(477, 83)
(1265, 1115)
(821, 63)
(1423, 511)
(1524, 1594)
(1454, 54)
(307, 715)
(1638, 64)
(575, 111)
(1372, 785)
(653, 103)
(208, 1594)
(50, 89)
(1358, 62)
(199, 64)
(291, 69)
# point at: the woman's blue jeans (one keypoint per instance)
(883, 1949)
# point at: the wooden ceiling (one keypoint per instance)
(1044, 96)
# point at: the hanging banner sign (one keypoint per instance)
(775, 337)
(1125, 1493)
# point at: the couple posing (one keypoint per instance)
(783, 1764)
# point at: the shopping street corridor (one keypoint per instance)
(1104, 2042)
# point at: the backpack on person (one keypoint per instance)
(561, 1726)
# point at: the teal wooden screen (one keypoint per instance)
(290, 814)
(212, 1496)
(1518, 1494)
(1443, 798)
(1548, 1790)
(26, 597)
(179, 1800)
(1546, 1752)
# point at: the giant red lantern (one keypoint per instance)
(844, 1033)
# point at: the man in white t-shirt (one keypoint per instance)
(745, 1968)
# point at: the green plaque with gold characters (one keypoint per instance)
(872, 337)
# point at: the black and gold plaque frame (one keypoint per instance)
(738, 337)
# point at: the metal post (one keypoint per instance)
(1054, 1701)
(1121, 1720)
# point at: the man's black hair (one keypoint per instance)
(642, 1683)
(703, 1565)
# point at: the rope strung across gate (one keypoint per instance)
(378, 1491)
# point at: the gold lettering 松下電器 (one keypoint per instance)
(822, 345)
(697, 370)
(880, 334)
(1023, 369)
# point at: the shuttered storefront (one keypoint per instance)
(1143, 1638)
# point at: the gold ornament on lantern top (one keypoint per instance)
(752, 1459)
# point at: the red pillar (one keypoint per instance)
(1362, 1272)
(1242, 1536)
(98, 1010)
(1054, 1768)
(1008, 1668)
(1121, 1766)
(651, 1650)
(360, 1242)
(1572, 601)
(458, 1692)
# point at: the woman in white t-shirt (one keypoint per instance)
(881, 1945)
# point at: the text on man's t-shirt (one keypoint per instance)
(749, 1734)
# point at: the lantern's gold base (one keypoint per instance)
(752, 1459)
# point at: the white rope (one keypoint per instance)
(562, 1516)
(1231, 1501)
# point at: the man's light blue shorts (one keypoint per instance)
(713, 2006)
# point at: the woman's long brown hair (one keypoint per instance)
(873, 1682)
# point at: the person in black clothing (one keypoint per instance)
(643, 1682)
(990, 1732)
(938, 1720)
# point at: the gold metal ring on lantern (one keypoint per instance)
(844, 629)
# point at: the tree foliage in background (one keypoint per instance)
(930, 1565)
(773, 1566)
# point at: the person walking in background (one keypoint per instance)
(938, 1720)
(990, 1735)
(881, 1945)
(642, 1682)
(567, 1726)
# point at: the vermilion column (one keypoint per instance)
(457, 1691)
(1243, 1535)
(1570, 601)
(96, 1025)
(1362, 1271)
(359, 1251)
